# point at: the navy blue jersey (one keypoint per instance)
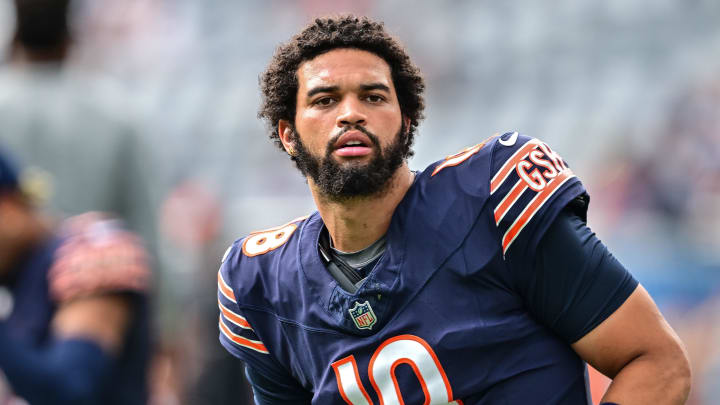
(89, 257)
(449, 314)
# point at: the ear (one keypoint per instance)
(285, 132)
(406, 122)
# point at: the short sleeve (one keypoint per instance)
(236, 334)
(97, 255)
(575, 283)
(530, 183)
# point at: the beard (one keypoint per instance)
(343, 181)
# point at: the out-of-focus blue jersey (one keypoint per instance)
(64, 268)
(453, 311)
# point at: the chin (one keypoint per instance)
(354, 161)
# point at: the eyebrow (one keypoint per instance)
(375, 86)
(363, 87)
(322, 89)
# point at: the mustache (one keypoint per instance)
(373, 138)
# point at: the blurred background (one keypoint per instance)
(627, 92)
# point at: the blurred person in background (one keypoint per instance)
(73, 130)
(86, 148)
(73, 306)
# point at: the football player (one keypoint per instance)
(73, 312)
(474, 281)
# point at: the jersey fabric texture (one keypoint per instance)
(451, 313)
(90, 255)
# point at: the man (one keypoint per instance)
(475, 281)
(74, 323)
(72, 129)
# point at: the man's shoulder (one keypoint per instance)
(506, 179)
(271, 243)
(484, 160)
(459, 183)
(472, 158)
(255, 262)
(97, 255)
(444, 203)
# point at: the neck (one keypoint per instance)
(356, 223)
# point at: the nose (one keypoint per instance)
(351, 113)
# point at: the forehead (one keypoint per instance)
(343, 67)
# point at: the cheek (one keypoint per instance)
(394, 123)
(314, 129)
(308, 122)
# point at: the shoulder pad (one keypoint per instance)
(253, 265)
(528, 180)
(446, 200)
(261, 242)
(463, 155)
(463, 174)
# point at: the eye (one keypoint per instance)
(323, 101)
(375, 98)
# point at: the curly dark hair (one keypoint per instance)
(279, 83)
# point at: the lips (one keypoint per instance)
(353, 143)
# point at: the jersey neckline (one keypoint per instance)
(380, 281)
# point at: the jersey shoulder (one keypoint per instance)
(452, 192)
(514, 178)
(97, 255)
(255, 279)
(529, 186)
(251, 267)
(464, 171)
(489, 163)
(443, 205)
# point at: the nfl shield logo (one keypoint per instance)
(363, 315)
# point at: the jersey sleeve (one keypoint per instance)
(529, 185)
(236, 334)
(564, 273)
(273, 391)
(97, 255)
(575, 283)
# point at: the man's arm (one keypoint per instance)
(637, 348)
(72, 366)
(102, 319)
(98, 272)
(580, 291)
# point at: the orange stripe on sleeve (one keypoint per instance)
(225, 289)
(533, 207)
(237, 339)
(510, 164)
(509, 200)
(233, 317)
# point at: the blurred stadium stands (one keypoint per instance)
(627, 91)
